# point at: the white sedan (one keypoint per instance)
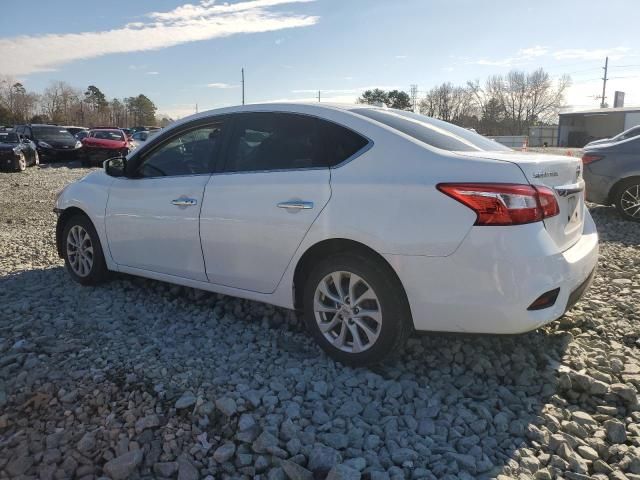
(374, 222)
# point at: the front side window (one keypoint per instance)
(189, 153)
(274, 141)
(435, 133)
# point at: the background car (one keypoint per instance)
(82, 134)
(374, 222)
(53, 143)
(75, 130)
(627, 134)
(15, 153)
(612, 174)
(102, 144)
(140, 137)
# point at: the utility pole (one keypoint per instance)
(243, 85)
(414, 97)
(196, 108)
(604, 83)
(318, 96)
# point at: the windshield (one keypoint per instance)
(632, 132)
(108, 135)
(435, 133)
(8, 137)
(52, 133)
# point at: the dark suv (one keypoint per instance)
(54, 143)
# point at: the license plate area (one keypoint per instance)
(574, 212)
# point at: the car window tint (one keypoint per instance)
(273, 141)
(435, 133)
(190, 153)
(339, 143)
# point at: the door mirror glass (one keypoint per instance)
(115, 167)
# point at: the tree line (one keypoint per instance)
(63, 104)
(503, 105)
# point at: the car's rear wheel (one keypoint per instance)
(82, 252)
(627, 199)
(356, 309)
(22, 162)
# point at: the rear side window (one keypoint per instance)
(435, 133)
(273, 141)
(339, 143)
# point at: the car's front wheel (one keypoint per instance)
(627, 199)
(356, 309)
(82, 252)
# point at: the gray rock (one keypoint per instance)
(227, 406)
(615, 431)
(165, 469)
(123, 466)
(187, 400)
(224, 452)
(343, 472)
(186, 469)
(87, 443)
(150, 421)
(294, 471)
(323, 458)
(264, 441)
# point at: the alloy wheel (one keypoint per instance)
(347, 312)
(630, 201)
(79, 251)
(22, 162)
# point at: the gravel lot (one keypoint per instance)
(141, 379)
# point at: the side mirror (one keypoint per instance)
(115, 167)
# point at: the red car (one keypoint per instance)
(103, 143)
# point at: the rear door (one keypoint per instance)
(257, 210)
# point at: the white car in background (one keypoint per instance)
(374, 222)
(139, 138)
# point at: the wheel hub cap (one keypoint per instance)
(347, 311)
(79, 251)
(630, 201)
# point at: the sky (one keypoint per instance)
(182, 54)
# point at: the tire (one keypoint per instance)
(36, 158)
(22, 163)
(88, 266)
(627, 199)
(389, 325)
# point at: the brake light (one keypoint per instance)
(502, 203)
(588, 158)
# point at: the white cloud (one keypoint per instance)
(594, 54)
(402, 57)
(221, 85)
(187, 23)
(152, 73)
(526, 55)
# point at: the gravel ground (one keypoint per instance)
(141, 379)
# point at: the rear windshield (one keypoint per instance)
(108, 135)
(435, 133)
(52, 133)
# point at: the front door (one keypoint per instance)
(152, 218)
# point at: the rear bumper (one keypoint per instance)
(487, 285)
(598, 187)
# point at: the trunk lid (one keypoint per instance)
(564, 176)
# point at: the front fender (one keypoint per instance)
(89, 196)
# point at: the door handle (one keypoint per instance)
(184, 202)
(296, 205)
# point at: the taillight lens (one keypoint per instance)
(504, 204)
(588, 158)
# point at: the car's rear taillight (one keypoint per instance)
(502, 203)
(588, 158)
